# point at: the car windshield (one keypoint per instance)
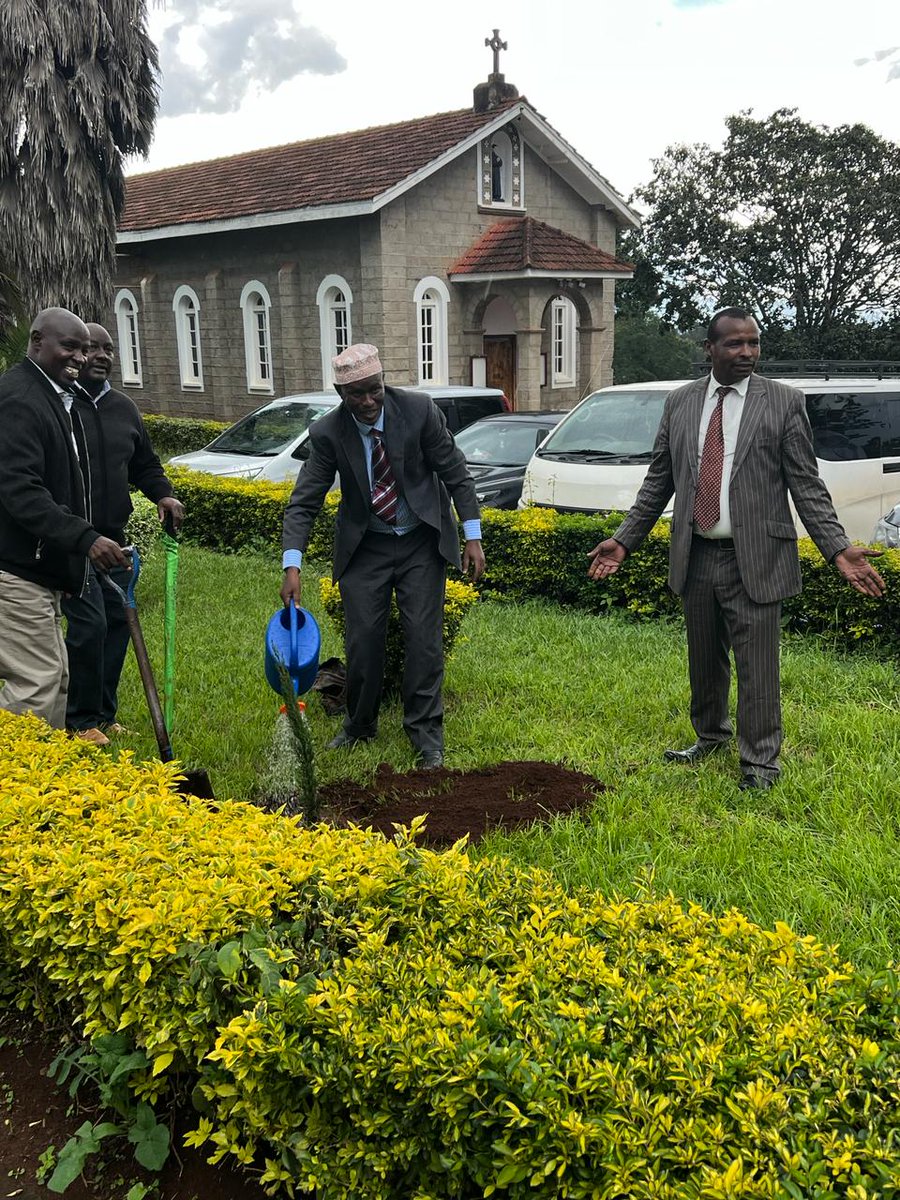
(609, 424)
(498, 443)
(270, 430)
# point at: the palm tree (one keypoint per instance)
(78, 93)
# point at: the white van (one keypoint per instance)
(596, 458)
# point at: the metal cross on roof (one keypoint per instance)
(496, 45)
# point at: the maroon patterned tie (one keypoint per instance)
(384, 485)
(709, 480)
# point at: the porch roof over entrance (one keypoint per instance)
(521, 247)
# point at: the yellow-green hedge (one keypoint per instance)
(542, 554)
(458, 598)
(372, 1021)
(180, 435)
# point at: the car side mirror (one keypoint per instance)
(303, 451)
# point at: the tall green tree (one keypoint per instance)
(78, 94)
(646, 349)
(798, 222)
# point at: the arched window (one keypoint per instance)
(186, 307)
(129, 338)
(255, 305)
(335, 300)
(563, 341)
(432, 297)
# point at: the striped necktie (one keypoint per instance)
(384, 485)
(709, 479)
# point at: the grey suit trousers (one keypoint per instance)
(413, 567)
(720, 615)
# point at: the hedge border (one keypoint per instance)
(539, 553)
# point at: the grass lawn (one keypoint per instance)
(607, 696)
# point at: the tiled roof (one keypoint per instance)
(521, 243)
(343, 168)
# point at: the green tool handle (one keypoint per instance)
(170, 542)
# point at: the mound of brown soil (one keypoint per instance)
(507, 796)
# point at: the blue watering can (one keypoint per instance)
(293, 638)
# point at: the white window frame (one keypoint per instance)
(335, 302)
(432, 298)
(563, 329)
(129, 338)
(255, 306)
(186, 307)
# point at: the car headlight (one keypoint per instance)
(251, 473)
(887, 531)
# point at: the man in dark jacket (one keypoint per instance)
(399, 469)
(120, 457)
(46, 536)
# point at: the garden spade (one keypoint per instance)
(196, 782)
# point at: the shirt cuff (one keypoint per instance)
(291, 558)
(472, 530)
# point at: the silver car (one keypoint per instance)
(264, 444)
(269, 443)
(887, 531)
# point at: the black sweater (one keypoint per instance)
(44, 531)
(121, 457)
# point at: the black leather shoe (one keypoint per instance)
(344, 740)
(430, 760)
(756, 783)
(693, 754)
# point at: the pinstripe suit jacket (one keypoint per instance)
(774, 455)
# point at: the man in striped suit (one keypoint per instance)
(730, 447)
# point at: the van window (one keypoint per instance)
(891, 444)
(849, 425)
(473, 408)
(610, 426)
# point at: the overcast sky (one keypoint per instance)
(620, 81)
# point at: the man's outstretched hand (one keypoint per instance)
(853, 564)
(606, 558)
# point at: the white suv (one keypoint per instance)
(596, 458)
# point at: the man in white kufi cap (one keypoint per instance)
(398, 469)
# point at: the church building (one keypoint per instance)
(474, 246)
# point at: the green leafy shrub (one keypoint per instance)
(143, 528)
(458, 597)
(369, 1020)
(230, 515)
(180, 435)
(541, 553)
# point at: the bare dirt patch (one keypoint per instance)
(509, 795)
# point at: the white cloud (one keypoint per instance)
(619, 82)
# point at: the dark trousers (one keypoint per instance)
(96, 642)
(411, 567)
(719, 616)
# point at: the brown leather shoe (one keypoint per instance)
(115, 727)
(96, 737)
